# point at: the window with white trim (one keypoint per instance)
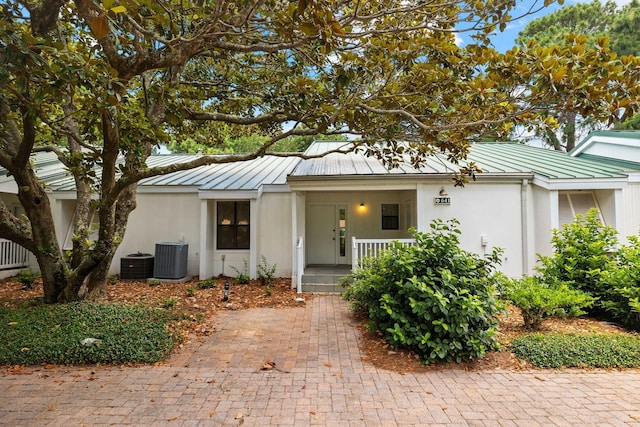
(233, 225)
(390, 216)
(572, 203)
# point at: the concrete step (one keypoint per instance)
(322, 288)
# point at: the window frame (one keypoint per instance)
(396, 216)
(237, 227)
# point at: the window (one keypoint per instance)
(233, 225)
(570, 204)
(391, 216)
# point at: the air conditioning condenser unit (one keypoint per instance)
(170, 260)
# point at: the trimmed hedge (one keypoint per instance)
(579, 350)
(55, 334)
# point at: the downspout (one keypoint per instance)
(525, 226)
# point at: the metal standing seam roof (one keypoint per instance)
(496, 158)
(239, 176)
(245, 175)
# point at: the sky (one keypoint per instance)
(506, 40)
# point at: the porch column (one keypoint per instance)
(554, 209)
(422, 201)
(618, 214)
(203, 268)
(254, 205)
(294, 239)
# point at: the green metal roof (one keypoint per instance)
(515, 157)
(494, 158)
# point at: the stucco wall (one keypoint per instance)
(488, 209)
(275, 232)
(543, 220)
(165, 217)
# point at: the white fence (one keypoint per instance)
(362, 248)
(12, 255)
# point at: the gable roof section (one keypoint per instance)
(619, 147)
(248, 175)
(237, 176)
(495, 159)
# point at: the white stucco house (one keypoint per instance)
(304, 213)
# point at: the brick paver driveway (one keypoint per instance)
(322, 381)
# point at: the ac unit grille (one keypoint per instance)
(170, 260)
(136, 267)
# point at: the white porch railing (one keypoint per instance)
(12, 255)
(362, 248)
(299, 263)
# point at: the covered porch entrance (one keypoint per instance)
(324, 278)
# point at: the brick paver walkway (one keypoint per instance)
(322, 381)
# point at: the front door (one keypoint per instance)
(326, 235)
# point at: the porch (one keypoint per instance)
(324, 278)
(12, 255)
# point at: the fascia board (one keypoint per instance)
(579, 184)
(614, 140)
(228, 195)
(276, 188)
(167, 189)
(393, 182)
(64, 195)
(634, 177)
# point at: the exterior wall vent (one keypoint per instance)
(171, 260)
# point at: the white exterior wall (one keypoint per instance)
(544, 219)
(275, 232)
(162, 217)
(488, 209)
(631, 203)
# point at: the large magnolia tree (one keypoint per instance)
(593, 21)
(100, 83)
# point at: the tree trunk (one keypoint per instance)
(570, 132)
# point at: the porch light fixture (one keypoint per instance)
(362, 207)
(443, 192)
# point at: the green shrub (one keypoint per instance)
(266, 272)
(537, 301)
(434, 297)
(55, 334)
(207, 283)
(621, 299)
(169, 302)
(577, 350)
(581, 254)
(27, 277)
(242, 277)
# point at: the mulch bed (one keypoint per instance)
(198, 306)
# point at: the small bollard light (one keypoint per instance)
(226, 291)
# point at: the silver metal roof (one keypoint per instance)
(239, 176)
